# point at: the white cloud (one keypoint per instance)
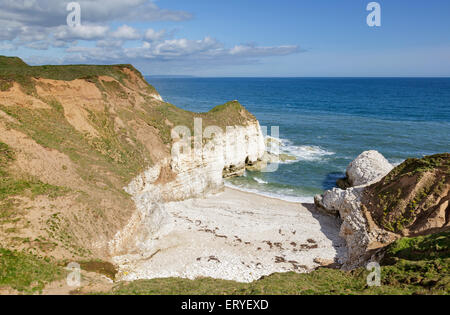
(183, 47)
(84, 32)
(26, 21)
(151, 35)
(10, 30)
(204, 52)
(107, 43)
(251, 50)
(126, 32)
(53, 12)
(41, 24)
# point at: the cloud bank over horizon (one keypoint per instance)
(264, 38)
(116, 31)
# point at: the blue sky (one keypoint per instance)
(235, 37)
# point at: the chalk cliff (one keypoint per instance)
(186, 176)
(90, 157)
(409, 200)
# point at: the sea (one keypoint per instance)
(325, 123)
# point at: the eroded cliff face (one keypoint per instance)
(185, 176)
(409, 200)
(79, 135)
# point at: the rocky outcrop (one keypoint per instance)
(412, 200)
(186, 176)
(272, 156)
(358, 230)
(262, 164)
(368, 167)
(196, 176)
(360, 235)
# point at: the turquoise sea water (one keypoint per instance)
(326, 122)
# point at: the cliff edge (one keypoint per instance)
(81, 148)
(409, 200)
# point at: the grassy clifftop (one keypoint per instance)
(13, 69)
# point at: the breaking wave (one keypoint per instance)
(296, 153)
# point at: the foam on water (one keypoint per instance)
(300, 152)
(260, 181)
(304, 152)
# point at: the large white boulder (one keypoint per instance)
(360, 235)
(368, 167)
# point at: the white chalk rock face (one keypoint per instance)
(367, 168)
(359, 234)
(158, 97)
(354, 224)
(182, 177)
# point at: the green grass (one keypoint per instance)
(14, 69)
(11, 62)
(389, 195)
(436, 246)
(6, 156)
(25, 272)
(400, 279)
(412, 167)
(5, 85)
(324, 281)
(228, 114)
(111, 152)
(11, 186)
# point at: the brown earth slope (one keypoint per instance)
(414, 198)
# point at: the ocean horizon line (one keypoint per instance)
(291, 77)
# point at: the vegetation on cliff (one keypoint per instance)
(414, 198)
(71, 137)
(13, 69)
(26, 273)
(13, 185)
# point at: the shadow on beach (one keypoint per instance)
(330, 227)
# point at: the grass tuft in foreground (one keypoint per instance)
(25, 272)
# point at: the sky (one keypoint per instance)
(250, 38)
